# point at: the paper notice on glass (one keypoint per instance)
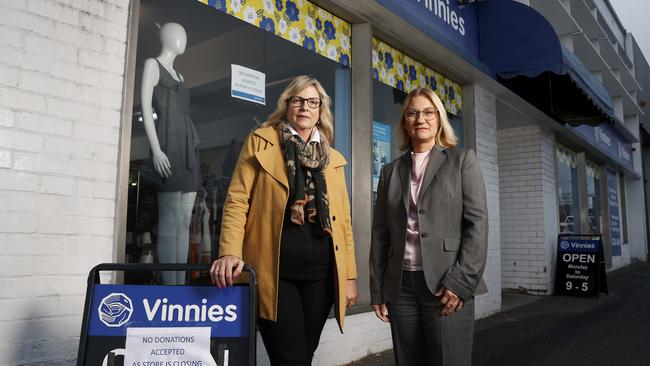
(248, 84)
(168, 346)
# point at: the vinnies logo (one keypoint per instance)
(115, 310)
(564, 244)
(601, 135)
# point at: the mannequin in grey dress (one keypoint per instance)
(174, 148)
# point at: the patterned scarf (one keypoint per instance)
(307, 188)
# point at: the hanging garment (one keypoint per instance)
(178, 137)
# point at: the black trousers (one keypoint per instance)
(303, 307)
(423, 337)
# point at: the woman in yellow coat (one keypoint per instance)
(287, 214)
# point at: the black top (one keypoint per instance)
(305, 252)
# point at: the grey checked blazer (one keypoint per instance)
(453, 223)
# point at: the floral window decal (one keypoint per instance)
(402, 72)
(566, 156)
(298, 21)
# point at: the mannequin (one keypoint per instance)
(174, 149)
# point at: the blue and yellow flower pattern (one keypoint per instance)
(593, 170)
(566, 156)
(298, 21)
(402, 72)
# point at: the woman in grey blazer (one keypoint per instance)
(429, 239)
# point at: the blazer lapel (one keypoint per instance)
(404, 171)
(435, 160)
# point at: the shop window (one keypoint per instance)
(567, 176)
(278, 45)
(593, 198)
(395, 74)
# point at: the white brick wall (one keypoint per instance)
(528, 208)
(61, 75)
(636, 219)
(551, 215)
(485, 119)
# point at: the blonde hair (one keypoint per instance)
(325, 122)
(445, 137)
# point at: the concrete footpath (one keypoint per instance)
(559, 330)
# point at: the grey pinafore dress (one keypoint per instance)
(177, 135)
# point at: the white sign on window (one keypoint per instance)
(168, 346)
(248, 84)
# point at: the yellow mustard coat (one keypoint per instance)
(253, 215)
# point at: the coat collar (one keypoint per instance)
(436, 157)
(271, 158)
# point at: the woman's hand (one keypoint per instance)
(351, 293)
(450, 301)
(161, 163)
(225, 269)
(381, 311)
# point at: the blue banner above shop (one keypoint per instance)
(609, 142)
(451, 24)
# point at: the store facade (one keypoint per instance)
(546, 173)
(280, 40)
(578, 176)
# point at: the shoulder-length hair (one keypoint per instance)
(325, 123)
(445, 137)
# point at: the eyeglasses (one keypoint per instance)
(413, 115)
(313, 103)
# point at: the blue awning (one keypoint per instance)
(520, 46)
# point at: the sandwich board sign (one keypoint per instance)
(580, 269)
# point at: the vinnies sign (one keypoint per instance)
(444, 11)
(117, 307)
(147, 325)
(448, 22)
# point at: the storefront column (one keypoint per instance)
(645, 152)
(362, 151)
(606, 224)
(582, 192)
(528, 203)
(128, 90)
(480, 126)
(637, 236)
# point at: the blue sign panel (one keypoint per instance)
(608, 141)
(451, 24)
(115, 308)
(579, 246)
(614, 222)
